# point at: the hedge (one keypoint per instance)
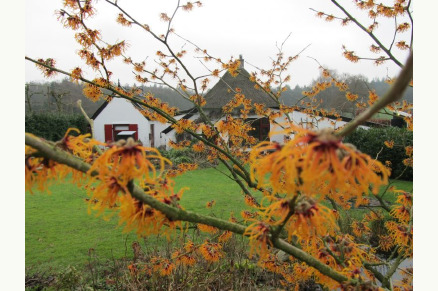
(371, 142)
(53, 126)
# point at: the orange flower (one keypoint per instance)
(250, 201)
(385, 242)
(403, 27)
(183, 258)
(401, 234)
(189, 246)
(402, 45)
(372, 97)
(44, 172)
(408, 162)
(310, 218)
(181, 169)
(127, 160)
(139, 217)
(211, 251)
(107, 193)
(132, 269)
(80, 146)
(402, 211)
(246, 215)
(409, 150)
(329, 18)
(316, 162)
(163, 266)
(76, 74)
(73, 21)
(351, 97)
(277, 211)
(210, 204)
(92, 92)
(375, 49)
(389, 144)
(259, 238)
(48, 72)
(406, 282)
(39, 171)
(404, 198)
(122, 20)
(225, 236)
(349, 55)
(207, 228)
(360, 228)
(271, 263)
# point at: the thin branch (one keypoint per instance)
(291, 212)
(393, 94)
(89, 120)
(388, 52)
(238, 181)
(395, 33)
(412, 24)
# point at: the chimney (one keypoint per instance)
(242, 62)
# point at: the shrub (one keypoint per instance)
(186, 155)
(372, 141)
(53, 126)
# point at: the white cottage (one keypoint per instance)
(120, 119)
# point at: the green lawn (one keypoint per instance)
(60, 232)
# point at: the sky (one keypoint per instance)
(225, 28)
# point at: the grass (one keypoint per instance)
(59, 232)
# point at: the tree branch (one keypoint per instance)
(393, 94)
(388, 52)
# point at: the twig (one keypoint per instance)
(394, 93)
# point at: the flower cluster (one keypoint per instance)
(316, 162)
(43, 172)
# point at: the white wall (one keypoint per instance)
(306, 121)
(298, 118)
(158, 138)
(163, 138)
(121, 111)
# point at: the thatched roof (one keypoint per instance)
(221, 94)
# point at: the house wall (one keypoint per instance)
(299, 118)
(163, 138)
(158, 138)
(306, 121)
(121, 111)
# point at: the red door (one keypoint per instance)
(134, 127)
(108, 133)
(152, 135)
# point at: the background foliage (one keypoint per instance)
(53, 126)
(372, 141)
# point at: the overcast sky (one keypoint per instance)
(225, 28)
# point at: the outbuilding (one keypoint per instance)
(120, 119)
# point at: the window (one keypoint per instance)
(115, 132)
(261, 128)
(183, 136)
